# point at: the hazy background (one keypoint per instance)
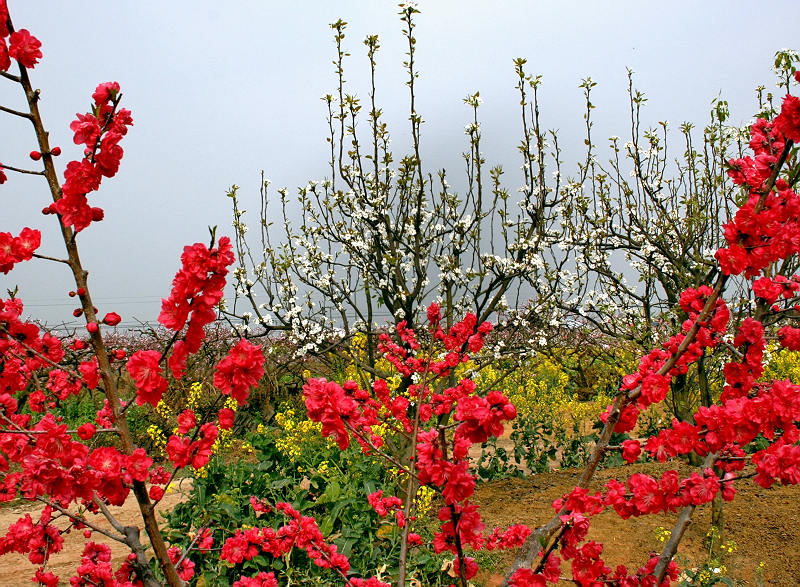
(220, 91)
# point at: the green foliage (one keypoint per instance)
(295, 464)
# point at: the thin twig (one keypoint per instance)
(48, 258)
(15, 112)
(19, 170)
(80, 520)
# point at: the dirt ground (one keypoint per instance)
(763, 524)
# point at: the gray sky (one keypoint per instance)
(220, 91)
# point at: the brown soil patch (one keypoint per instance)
(763, 523)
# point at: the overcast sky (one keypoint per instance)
(220, 91)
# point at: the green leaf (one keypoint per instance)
(280, 483)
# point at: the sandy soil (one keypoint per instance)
(763, 523)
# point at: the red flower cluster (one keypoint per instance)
(38, 541)
(648, 385)
(25, 350)
(96, 569)
(240, 370)
(770, 289)
(145, 369)
(587, 567)
(182, 451)
(300, 532)
(260, 580)
(482, 417)
(339, 407)
(15, 249)
(512, 537)
(185, 568)
(101, 131)
(462, 336)
(196, 289)
(383, 505)
(767, 227)
(463, 519)
(788, 121)
(345, 410)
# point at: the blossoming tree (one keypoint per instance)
(385, 235)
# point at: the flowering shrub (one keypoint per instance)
(318, 479)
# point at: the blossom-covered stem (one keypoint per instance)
(528, 552)
(104, 364)
(206, 418)
(454, 515)
(411, 488)
(684, 519)
(770, 183)
(42, 356)
(531, 547)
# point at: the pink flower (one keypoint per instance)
(25, 48)
(240, 370)
(788, 121)
(226, 417)
(5, 60)
(86, 431)
(105, 92)
(112, 319)
(3, 19)
(186, 421)
(145, 370)
(156, 493)
(631, 449)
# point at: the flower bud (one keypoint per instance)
(92, 327)
(36, 155)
